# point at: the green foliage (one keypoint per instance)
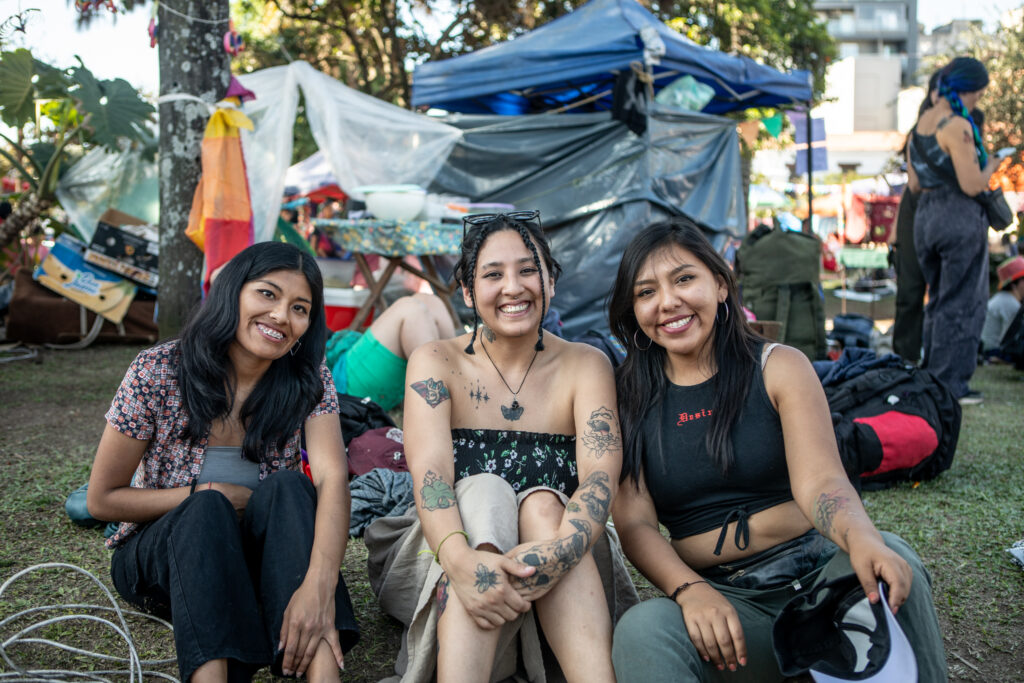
(113, 108)
(17, 93)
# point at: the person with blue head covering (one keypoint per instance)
(950, 167)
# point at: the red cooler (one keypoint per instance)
(341, 306)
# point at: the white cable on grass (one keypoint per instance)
(134, 670)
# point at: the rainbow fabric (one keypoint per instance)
(220, 222)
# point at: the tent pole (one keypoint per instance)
(810, 164)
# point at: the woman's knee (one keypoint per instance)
(540, 515)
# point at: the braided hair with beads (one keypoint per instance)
(478, 229)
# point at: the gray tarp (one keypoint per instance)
(596, 183)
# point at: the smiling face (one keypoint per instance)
(675, 299)
(508, 286)
(273, 313)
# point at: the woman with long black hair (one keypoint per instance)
(200, 462)
(950, 167)
(512, 440)
(728, 443)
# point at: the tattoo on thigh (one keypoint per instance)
(597, 496)
(599, 436)
(442, 594)
(437, 494)
(825, 509)
(434, 392)
(486, 579)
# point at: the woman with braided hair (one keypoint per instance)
(950, 167)
(512, 440)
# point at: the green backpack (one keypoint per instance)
(778, 271)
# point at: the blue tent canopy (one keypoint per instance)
(577, 56)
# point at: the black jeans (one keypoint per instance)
(224, 583)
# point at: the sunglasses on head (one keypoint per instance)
(484, 218)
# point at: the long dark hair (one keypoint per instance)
(533, 237)
(290, 388)
(640, 380)
(963, 75)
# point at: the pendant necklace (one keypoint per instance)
(514, 411)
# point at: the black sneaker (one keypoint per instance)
(971, 398)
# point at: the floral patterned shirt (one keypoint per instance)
(523, 459)
(148, 406)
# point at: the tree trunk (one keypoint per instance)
(192, 62)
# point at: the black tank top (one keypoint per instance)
(690, 494)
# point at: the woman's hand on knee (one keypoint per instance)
(713, 626)
(483, 583)
(238, 495)
(872, 560)
(308, 619)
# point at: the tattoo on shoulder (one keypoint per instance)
(596, 494)
(600, 436)
(825, 509)
(485, 578)
(434, 392)
(437, 494)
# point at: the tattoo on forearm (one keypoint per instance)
(597, 496)
(485, 578)
(599, 436)
(442, 594)
(555, 559)
(572, 506)
(825, 509)
(434, 392)
(437, 494)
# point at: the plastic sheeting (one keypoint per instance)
(126, 181)
(578, 54)
(596, 184)
(367, 141)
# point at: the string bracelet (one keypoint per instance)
(437, 553)
(192, 488)
(683, 586)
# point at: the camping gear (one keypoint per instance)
(852, 330)
(65, 271)
(358, 415)
(839, 635)
(894, 424)
(341, 305)
(779, 279)
(126, 245)
(378, 447)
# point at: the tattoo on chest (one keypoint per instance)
(485, 578)
(479, 394)
(597, 496)
(553, 560)
(436, 494)
(434, 392)
(599, 436)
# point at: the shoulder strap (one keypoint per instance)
(916, 142)
(765, 352)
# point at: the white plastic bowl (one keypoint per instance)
(394, 202)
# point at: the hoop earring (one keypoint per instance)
(726, 304)
(641, 348)
(295, 348)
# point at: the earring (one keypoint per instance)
(726, 304)
(295, 348)
(641, 348)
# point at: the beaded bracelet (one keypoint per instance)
(683, 586)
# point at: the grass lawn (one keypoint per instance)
(51, 417)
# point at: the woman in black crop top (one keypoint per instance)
(502, 426)
(949, 165)
(729, 444)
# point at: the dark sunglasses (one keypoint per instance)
(484, 218)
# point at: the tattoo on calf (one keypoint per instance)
(442, 594)
(437, 494)
(553, 560)
(597, 496)
(434, 392)
(598, 435)
(825, 509)
(485, 578)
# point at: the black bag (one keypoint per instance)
(1011, 346)
(359, 415)
(852, 330)
(998, 211)
(894, 424)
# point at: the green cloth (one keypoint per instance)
(364, 367)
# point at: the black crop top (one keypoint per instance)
(928, 177)
(523, 459)
(690, 493)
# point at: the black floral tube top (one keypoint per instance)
(523, 459)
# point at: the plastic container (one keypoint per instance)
(341, 306)
(394, 202)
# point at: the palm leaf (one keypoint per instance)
(112, 108)
(17, 94)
